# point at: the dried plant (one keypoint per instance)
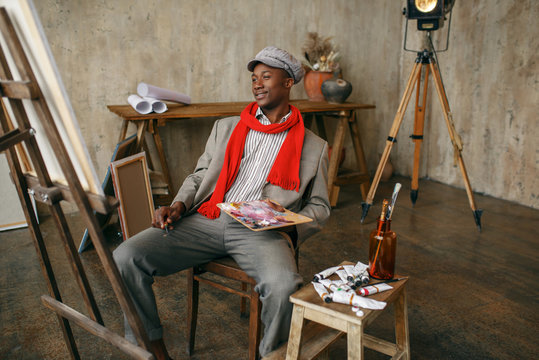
(320, 53)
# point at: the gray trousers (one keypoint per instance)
(263, 255)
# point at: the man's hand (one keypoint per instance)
(166, 215)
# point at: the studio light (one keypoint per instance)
(430, 14)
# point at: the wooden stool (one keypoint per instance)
(308, 305)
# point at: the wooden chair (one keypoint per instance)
(229, 269)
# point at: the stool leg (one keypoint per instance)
(401, 325)
(296, 326)
(355, 341)
(192, 309)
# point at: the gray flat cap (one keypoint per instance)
(279, 59)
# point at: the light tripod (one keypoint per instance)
(425, 59)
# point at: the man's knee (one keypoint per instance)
(283, 285)
(124, 256)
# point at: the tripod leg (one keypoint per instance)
(456, 141)
(417, 136)
(416, 71)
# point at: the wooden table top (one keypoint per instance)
(310, 299)
(200, 110)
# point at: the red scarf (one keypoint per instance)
(285, 169)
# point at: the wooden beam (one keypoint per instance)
(101, 204)
(18, 89)
(96, 329)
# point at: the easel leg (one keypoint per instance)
(455, 140)
(76, 265)
(417, 136)
(416, 71)
(46, 267)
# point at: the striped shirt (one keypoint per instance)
(259, 153)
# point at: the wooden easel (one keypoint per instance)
(425, 59)
(50, 193)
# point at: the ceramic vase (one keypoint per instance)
(313, 81)
(336, 90)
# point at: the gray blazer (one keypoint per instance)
(312, 200)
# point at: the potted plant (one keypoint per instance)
(321, 61)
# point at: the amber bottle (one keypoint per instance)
(382, 248)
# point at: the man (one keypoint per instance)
(266, 153)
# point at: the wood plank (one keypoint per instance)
(18, 89)
(96, 329)
(383, 346)
(296, 329)
(355, 341)
(315, 339)
(101, 204)
(223, 109)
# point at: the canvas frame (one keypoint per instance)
(131, 180)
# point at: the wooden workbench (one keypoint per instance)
(344, 114)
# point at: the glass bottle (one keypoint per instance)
(382, 248)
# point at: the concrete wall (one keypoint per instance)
(104, 48)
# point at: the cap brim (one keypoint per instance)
(251, 64)
(270, 62)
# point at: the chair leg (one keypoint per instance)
(243, 304)
(255, 327)
(192, 309)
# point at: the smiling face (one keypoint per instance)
(270, 86)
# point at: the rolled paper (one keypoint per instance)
(157, 105)
(325, 273)
(351, 298)
(322, 292)
(147, 90)
(140, 105)
(374, 289)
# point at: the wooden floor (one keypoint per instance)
(471, 295)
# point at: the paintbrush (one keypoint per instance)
(393, 200)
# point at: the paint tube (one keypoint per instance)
(322, 291)
(357, 274)
(335, 285)
(351, 275)
(374, 289)
(351, 298)
(360, 267)
(342, 275)
(325, 274)
(363, 279)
